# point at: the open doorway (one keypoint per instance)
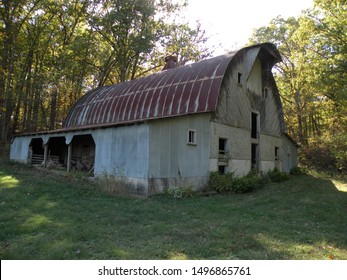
(255, 157)
(36, 151)
(83, 153)
(57, 152)
(254, 125)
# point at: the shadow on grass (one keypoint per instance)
(45, 216)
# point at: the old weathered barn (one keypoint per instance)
(175, 126)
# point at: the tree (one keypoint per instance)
(127, 27)
(137, 35)
(326, 26)
(13, 15)
(312, 79)
(186, 43)
(291, 82)
(53, 51)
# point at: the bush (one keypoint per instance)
(224, 183)
(297, 171)
(327, 153)
(277, 176)
(220, 182)
(111, 184)
(180, 191)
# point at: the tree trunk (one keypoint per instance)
(299, 118)
(53, 114)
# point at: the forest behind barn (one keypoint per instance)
(312, 81)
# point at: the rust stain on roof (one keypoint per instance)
(184, 90)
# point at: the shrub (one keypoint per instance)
(220, 182)
(111, 184)
(180, 191)
(277, 176)
(297, 171)
(327, 153)
(229, 183)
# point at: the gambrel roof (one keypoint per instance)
(189, 89)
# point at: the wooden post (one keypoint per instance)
(69, 155)
(45, 155)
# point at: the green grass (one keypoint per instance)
(47, 216)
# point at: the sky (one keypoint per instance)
(231, 22)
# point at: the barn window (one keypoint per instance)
(265, 92)
(191, 137)
(254, 126)
(221, 169)
(223, 159)
(222, 146)
(277, 153)
(239, 75)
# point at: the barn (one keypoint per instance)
(174, 127)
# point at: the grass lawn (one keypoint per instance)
(46, 216)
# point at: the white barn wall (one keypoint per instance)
(267, 152)
(173, 162)
(254, 81)
(124, 152)
(233, 117)
(289, 154)
(240, 167)
(20, 149)
(237, 147)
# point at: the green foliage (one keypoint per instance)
(312, 80)
(277, 176)
(326, 154)
(112, 185)
(246, 184)
(220, 182)
(228, 183)
(180, 192)
(53, 52)
(298, 171)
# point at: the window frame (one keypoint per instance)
(223, 141)
(255, 125)
(239, 78)
(191, 137)
(277, 153)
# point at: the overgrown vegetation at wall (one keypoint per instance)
(111, 184)
(277, 176)
(229, 183)
(180, 191)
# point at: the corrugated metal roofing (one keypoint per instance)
(189, 89)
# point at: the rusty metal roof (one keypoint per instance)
(189, 89)
(185, 90)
